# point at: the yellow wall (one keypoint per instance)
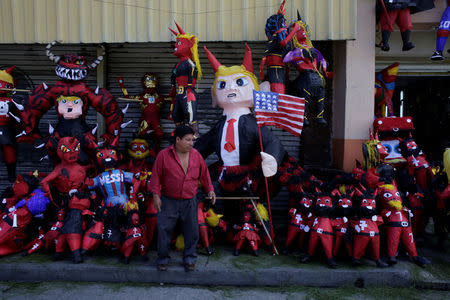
(117, 21)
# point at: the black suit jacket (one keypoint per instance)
(249, 144)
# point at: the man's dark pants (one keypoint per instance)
(171, 211)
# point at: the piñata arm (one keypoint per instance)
(38, 103)
(104, 103)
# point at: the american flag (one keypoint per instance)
(283, 111)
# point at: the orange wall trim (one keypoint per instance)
(345, 152)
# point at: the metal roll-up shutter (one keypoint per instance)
(132, 61)
(32, 68)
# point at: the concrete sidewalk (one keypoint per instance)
(219, 269)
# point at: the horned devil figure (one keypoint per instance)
(72, 99)
(279, 38)
(8, 110)
(312, 69)
(70, 193)
(185, 74)
(235, 136)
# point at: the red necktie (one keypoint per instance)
(229, 138)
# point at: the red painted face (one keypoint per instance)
(183, 48)
(411, 145)
(382, 151)
(390, 195)
(72, 67)
(68, 149)
(135, 219)
(370, 203)
(247, 216)
(324, 201)
(107, 158)
(301, 34)
(60, 215)
(345, 202)
(415, 199)
(306, 202)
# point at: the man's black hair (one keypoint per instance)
(182, 130)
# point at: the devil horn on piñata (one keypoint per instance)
(299, 18)
(215, 64)
(10, 69)
(115, 142)
(282, 10)
(98, 60)
(248, 62)
(54, 58)
(173, 31)
(180, 30)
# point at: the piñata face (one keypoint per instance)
(70, 107)
(4, 108)
(107, 158)
(411, 145)
(382, 151)
(302, 34)
(72, 67)
(235, 90)
(345, 202)
(138, 149)
(182, 47)
(149, 81)
(368, 203)
(324, 201)
(68, 149)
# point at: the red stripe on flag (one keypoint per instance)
(294, 118)
(296, 132)
(298, 125)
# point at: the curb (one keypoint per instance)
(204, 276)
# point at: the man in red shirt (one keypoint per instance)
(174, 185)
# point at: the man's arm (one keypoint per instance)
(205, 179)
(157, 173)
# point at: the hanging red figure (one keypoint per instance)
(72, 99)
(366, 233)
(279, 38)
(68, 179)
(151, 102)
(8, 116)
(399, 12)
(185, 75)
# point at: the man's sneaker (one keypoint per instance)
(162, 267)
(437, 55)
